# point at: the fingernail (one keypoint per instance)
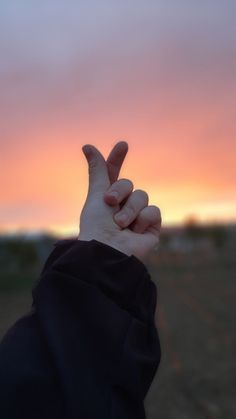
(121, 217)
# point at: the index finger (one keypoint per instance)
(115, 160)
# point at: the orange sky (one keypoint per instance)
(160, 77)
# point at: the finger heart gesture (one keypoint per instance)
(113, 213)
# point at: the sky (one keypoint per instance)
(157, 74)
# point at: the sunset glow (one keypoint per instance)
(159, 76)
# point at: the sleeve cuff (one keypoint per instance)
(122, 278)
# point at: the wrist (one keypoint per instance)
(112, 243)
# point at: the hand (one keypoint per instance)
(99, 217)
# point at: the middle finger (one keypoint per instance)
(118, 191)
(130, 210)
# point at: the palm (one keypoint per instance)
(97, 216)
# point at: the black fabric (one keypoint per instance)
(89, 347)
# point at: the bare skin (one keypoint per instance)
(110, 198)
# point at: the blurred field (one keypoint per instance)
(196, 315)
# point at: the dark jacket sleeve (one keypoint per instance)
(89, 348)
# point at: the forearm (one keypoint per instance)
(97, 306)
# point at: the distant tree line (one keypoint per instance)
(218, 234)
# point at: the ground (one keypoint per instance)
(195, 317)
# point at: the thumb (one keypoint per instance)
(97, 167)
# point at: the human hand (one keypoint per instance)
(99, 217)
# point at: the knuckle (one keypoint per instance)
(113, 188)
(128, 182)
(122, 186)
(156, 213)
(143, 194)
(130, 210)
(156, 210)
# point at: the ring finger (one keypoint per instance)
(130, 210)
(148, 218)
